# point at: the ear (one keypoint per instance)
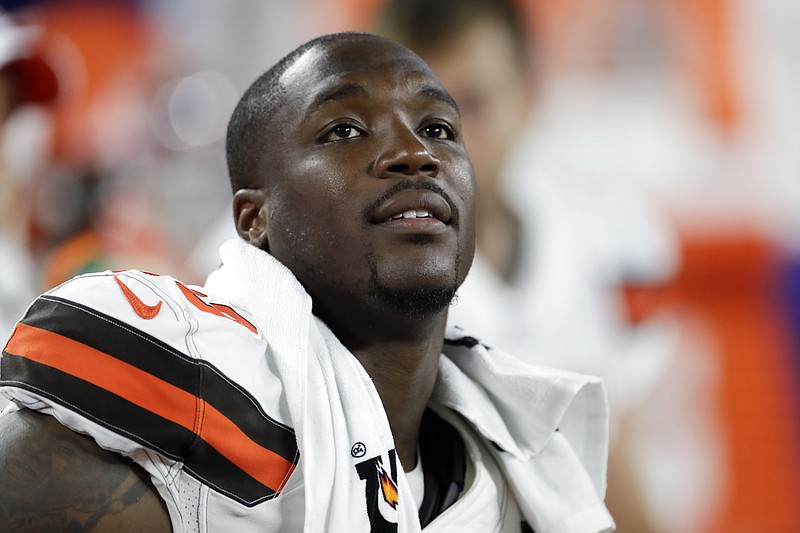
(250, 216)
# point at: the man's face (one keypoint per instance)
(367, 140)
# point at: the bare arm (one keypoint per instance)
(53, 479)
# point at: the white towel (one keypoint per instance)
(557, 477)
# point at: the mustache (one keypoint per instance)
(411, 184)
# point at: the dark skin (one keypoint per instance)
(53, 479)
(363, 134)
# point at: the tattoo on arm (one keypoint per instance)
(54, 479)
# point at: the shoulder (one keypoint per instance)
(148, 301)
(145, 327)
(114, 312)
(144, 361)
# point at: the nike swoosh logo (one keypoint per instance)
(145, 311)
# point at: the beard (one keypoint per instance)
(413, 301)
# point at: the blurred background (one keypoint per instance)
(654, 157)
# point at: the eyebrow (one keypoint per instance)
(349, 90)
(339, 92)
(432, 92)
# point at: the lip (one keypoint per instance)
(410, 199)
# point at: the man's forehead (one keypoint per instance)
(341, 62)
(302, 65)
(316, 80)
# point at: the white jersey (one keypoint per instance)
(185, 383)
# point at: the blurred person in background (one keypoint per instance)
(27, 79)
(557, 258)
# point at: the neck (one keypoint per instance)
(401, 355)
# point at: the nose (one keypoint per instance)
(406, 155)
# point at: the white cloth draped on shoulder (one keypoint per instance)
(548, 427)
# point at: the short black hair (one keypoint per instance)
(245, 135)
(426, 25)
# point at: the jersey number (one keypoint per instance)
(224, 311)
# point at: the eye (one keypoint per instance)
(341, 131)
(438, 131)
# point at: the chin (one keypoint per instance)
(415, 301)
(414, 287)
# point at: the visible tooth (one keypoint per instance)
(412, 213)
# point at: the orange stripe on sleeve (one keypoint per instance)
(262, 464)
(152, 394)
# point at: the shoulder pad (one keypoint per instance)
(150, 358)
